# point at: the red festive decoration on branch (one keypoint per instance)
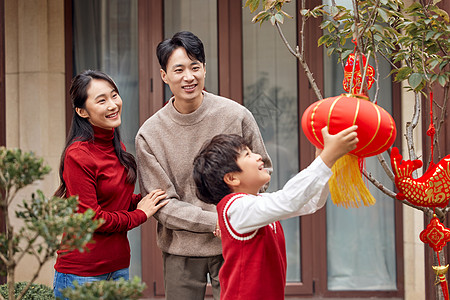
(354, 80)
(376, 127)
(376, 133)
(435, 235)
(430, 190)
(440, 274)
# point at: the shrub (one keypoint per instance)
(36, 291)
(106, 290)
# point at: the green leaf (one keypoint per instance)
(440, 12)
(429, 35)
(323, 39)
(252, 4)
(260, 16)
(383, 14)
(346, 53)
(330, 51)
(403, 73)
(415, 80)
(272, 20)
(414, 7)
(442, 80)
(305, 12)
(433, 78)
(279, 17)
(433, 63)
(443, 64)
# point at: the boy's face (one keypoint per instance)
(185, 77)
(253, 175)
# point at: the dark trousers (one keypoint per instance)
(186, 277)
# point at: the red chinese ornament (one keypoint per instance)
(357, 76)
(430, 190)
(376, 133)
(436, 235)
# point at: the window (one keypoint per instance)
(181, 15)
(105, 37)
(270, 93)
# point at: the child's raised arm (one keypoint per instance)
(338, 145)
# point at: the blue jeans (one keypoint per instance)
(62, 280)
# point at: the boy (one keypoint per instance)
(227, 173)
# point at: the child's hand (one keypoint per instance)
(338, 145)
(318, 151)
(217, 232)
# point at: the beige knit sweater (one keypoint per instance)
(166, 145)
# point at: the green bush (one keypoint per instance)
(106, 290)
(35, 292)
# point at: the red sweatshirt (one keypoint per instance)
(93, 172)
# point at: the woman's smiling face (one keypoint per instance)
(103, 105)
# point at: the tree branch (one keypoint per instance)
(386, 168)
(300, 55)
(410, 127)
(378, 184)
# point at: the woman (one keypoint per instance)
(96, 167)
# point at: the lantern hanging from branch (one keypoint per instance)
(376, 133)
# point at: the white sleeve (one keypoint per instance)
(304, 194)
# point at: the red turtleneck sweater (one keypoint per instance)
(93, 172)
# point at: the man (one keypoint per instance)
(166, 146)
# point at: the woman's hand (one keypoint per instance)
(151, 203)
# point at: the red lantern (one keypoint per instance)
(376, 133)
(376, 127)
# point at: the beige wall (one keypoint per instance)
(413, 222)
(35, 93)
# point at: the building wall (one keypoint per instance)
(413, 219)
(35, 94)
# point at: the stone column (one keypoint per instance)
(35, 94)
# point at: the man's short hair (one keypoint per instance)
(215, 159)
(189, 41)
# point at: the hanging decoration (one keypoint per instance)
(440, 274)
(354, 80)
(437, 236)
(376, 130)
(376, 133)
(432, 189)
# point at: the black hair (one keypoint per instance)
(81, 129)
(189, 41)
(215, 159)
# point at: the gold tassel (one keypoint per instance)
(347, 187)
